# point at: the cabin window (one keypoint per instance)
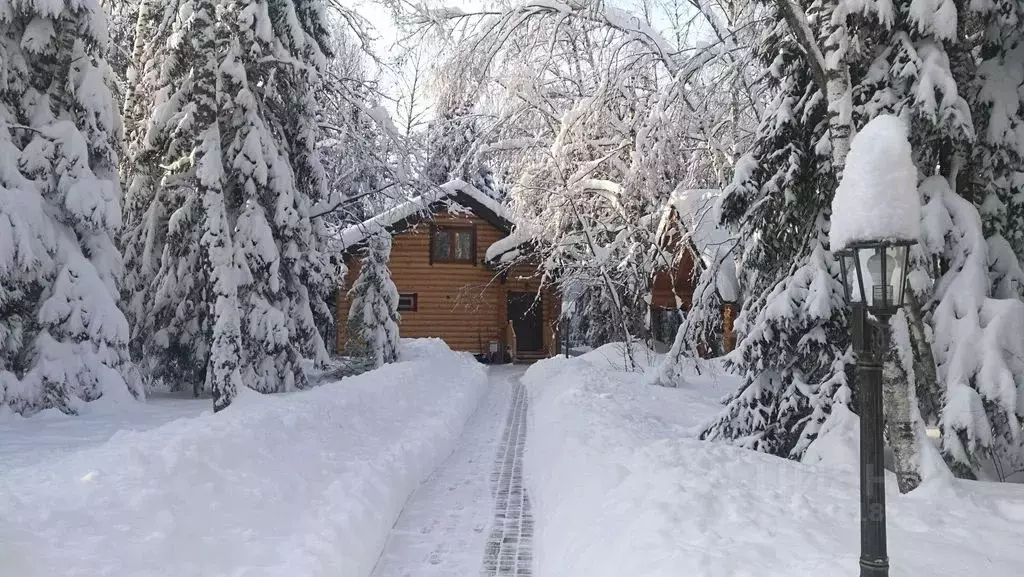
(407, 302)
(453, 244)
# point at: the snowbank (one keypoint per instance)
(51, 434)
(620, 487)
(293, 485)
(877, 197)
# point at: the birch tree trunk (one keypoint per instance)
(838, 92)
(897, 397)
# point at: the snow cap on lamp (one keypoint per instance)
(877, 197)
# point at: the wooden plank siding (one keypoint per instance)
(462, 303)
(678, 281)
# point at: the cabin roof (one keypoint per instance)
(698, 213)
(417, 209)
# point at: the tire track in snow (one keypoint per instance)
(509, 549)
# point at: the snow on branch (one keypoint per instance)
(797, 21)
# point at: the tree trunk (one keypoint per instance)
(839, 94)
(898, 396)
(926, 381)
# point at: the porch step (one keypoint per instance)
(530, 357)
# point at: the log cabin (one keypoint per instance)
(447, 248)
(688, 233)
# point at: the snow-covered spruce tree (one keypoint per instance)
(918, 65)
(794, 353)
(994, 87)
(964, 121)
(62, 337)
(267, 59)
(373, 315)
(977, 352)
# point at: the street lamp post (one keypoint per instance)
(874, 275)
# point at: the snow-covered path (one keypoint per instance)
(448, 524)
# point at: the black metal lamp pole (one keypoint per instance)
(870, 343)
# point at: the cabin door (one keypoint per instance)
(524, 312)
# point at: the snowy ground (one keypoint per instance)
(51, 434)
(306, 484)
(621, 487)
(444, 528)
(423, 460)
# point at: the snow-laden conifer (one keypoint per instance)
(373, 315)
(793, 350)
(230, 249)
(978, 345)
(62, 337)
(904, 61)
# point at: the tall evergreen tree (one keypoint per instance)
(373, 315)
(794, 354)
(921, 66)
(62, 338)
(223, 254)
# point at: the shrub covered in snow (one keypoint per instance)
(373, 315)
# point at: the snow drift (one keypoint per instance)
(621, 487)
(294, 485)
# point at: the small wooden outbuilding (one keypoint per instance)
(692, 240)
(448, 287)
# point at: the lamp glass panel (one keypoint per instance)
(883, 269)
(869, 273)
(871, 260)
(898, 255)
(851, 282)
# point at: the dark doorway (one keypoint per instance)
(524, 312)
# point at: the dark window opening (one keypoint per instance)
(665, 323)
(407, 302)
(453, 244)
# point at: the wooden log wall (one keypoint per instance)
(668, 284)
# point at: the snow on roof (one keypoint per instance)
(357, 233)
(877, 197)
(461, 186)
(698, 211)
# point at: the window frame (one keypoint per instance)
(451, 232)
(415, 302)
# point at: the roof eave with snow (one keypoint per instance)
(417, 209)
